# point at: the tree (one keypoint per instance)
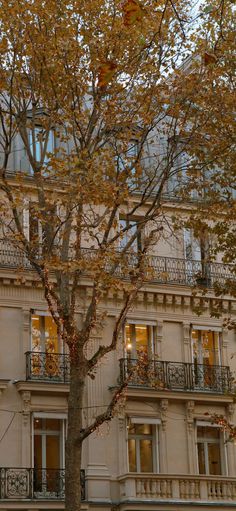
(92, 101)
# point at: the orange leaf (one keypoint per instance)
(106, 73)
(209, 58)
(133, 12)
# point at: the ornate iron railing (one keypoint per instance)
(51, 367)
(180, 376)
(158, 269)
(32, 483)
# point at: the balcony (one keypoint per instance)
(180, 488)
(32, 483)
(176, 376)
(47, 367)
(159, 269)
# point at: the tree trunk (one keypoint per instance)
(73, 445)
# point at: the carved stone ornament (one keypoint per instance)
(164, 407)
(190, 414)
(26, 398)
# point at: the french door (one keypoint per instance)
(48, 452)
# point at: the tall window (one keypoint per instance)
(206, 359)
(210, 450)
(125, 161)
(206, 349)
(131, 226)
(49, 438)
(44, 336)
(40, 145)
(138, 339)
(141, 447)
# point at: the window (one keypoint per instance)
(43, 145)
(208, 373)
(141, 447)
(44, 337)
(131, 226)
(210, 450)
(48, 451)
(138, 339)
(206, 349)
(32, 226)
(127, 159)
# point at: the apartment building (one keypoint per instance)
(161, 451)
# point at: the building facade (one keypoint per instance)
(161, 450)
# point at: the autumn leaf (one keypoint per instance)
(106, 73)
(133, 12)
(209, 58)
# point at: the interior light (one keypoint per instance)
(129, 346)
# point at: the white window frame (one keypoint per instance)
(213, 329)
(223, 452)
(35, 312)
(48, 415)
(151, 341)
(155, 423)
(51, 145)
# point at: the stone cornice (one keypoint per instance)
(42, 387)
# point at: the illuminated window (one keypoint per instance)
(138, 339)
(210, 450)
(206, 348)
(141, 447)
(44, 335)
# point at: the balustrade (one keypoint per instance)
(180, 376)
(183, 488)
(51, 367)
(158, 269)
(32, 483)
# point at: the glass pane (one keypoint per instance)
(52, 451)
(208, 432)
(201, 459)
(146, 461)
(132, 455)
(214, 459)
(52, 424)
(37, 451)
(128, 341)
(140, 429)
(36, 334)
(210, 356)
(141, 332)
(195, 345)
(38, 423)
(51, 339)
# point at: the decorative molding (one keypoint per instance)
(186, 332)
(230, 410)
(3, 385)
(190, 406)
(26, 320)
(164, 403)
(26, 398)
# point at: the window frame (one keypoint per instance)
(44, 314)
(132, 353)
(155, 423)
(222, 450)
(62, 433)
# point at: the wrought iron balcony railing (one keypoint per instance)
(179, 376)
(159, 269)
(50, 367)
(32, 483)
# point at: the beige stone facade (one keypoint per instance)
(160, 452)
